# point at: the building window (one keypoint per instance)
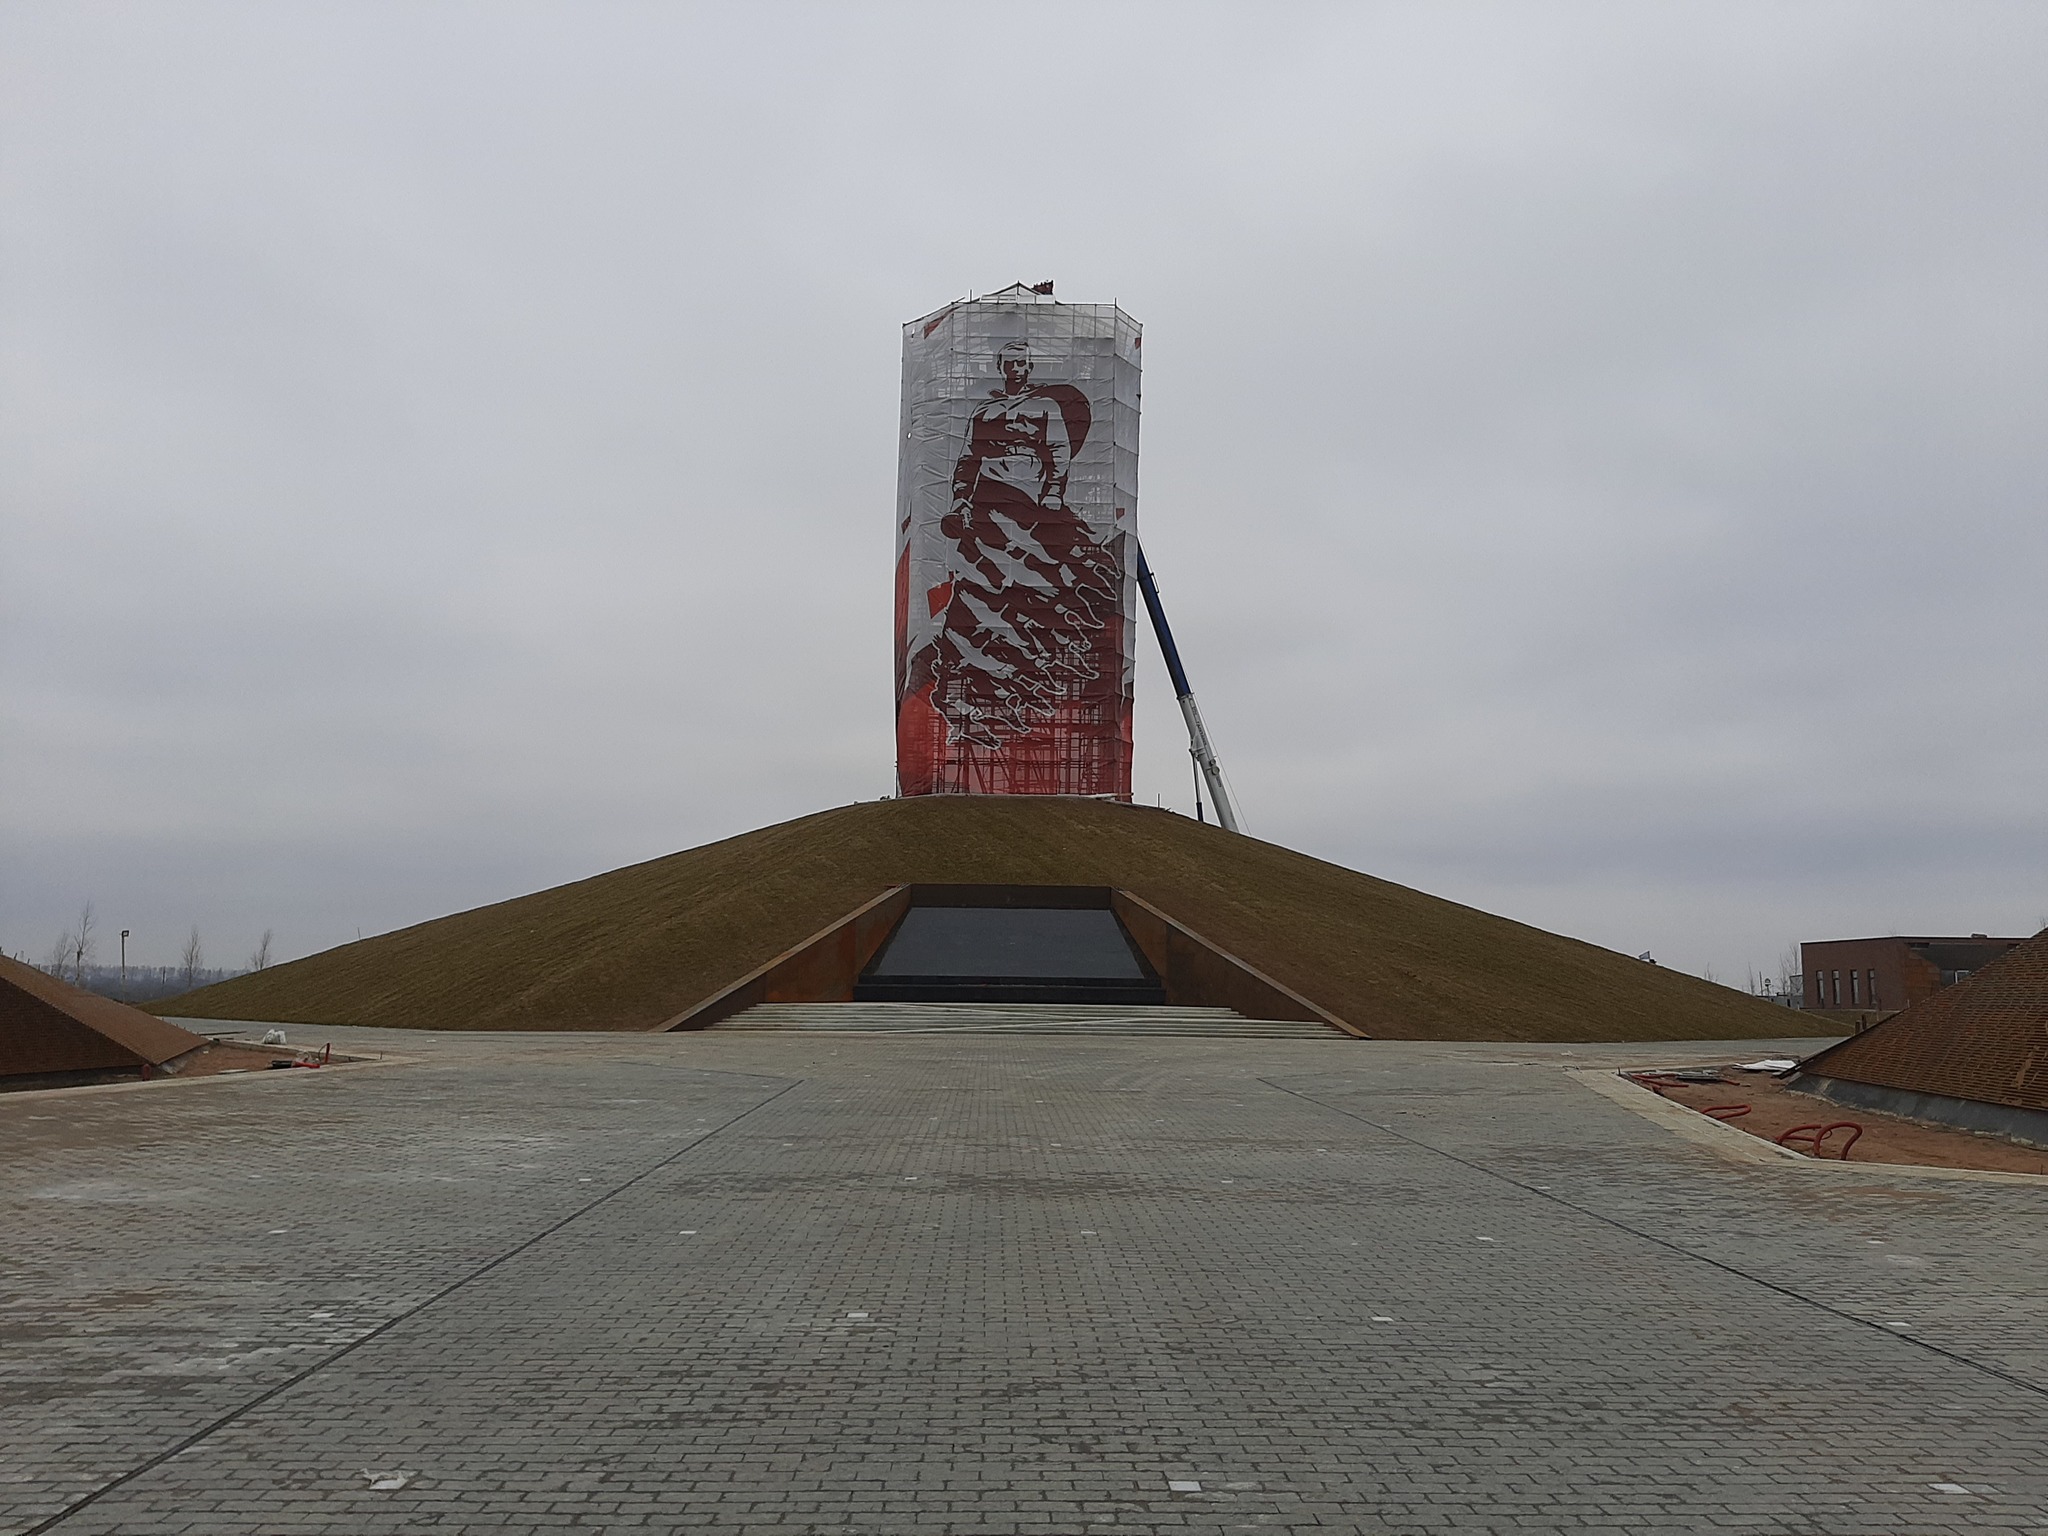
(1855, 989)
(1872, 988)
(1835, 986)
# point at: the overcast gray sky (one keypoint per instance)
(1593, 454)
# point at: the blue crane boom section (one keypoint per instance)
(1199, 749)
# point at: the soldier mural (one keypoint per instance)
(1014, 584)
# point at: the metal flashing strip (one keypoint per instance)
(2027, 1126)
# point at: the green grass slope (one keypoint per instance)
(628, 949)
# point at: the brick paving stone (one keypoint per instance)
(738, 1284)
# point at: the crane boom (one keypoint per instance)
(1198, 735)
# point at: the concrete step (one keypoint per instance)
(1019, 1018)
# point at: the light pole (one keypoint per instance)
(124, 963)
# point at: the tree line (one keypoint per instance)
(76, 956)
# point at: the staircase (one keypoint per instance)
(1019, 1018)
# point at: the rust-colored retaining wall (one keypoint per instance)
(822, 969)
(49, 1026)
(1203, 975)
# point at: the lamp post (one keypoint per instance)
(124, 963)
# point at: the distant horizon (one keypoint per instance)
(1767, 981)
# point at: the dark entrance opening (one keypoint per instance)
(999, 945)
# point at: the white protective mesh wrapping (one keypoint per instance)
(1017, 500)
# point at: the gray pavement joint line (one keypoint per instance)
(1664, 1242)
(213, 1428)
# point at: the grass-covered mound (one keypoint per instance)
(629, 949)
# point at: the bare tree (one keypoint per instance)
(193, 958)
(260, 961)
(60, 954)
(83, 945)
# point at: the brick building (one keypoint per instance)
(1886, 974)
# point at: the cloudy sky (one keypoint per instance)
(1594, 454)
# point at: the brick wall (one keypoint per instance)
(1890, 973)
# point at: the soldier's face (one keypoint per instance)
(1016, 372)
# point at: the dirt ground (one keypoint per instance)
(1774, 1109)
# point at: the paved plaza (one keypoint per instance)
(751, 1283)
